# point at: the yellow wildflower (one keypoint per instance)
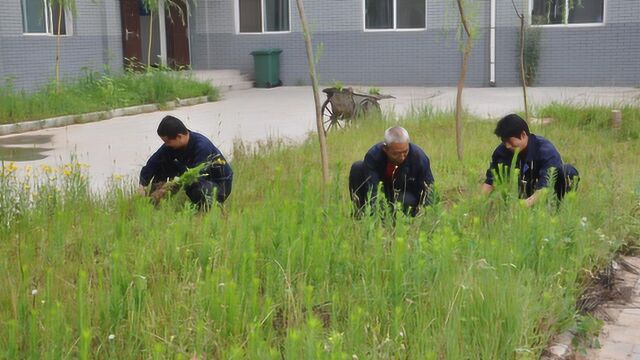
(11, 167)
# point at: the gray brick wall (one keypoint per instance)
(606, 55)
(570, 56)
(355, 58)
(602, 55)
(29, 60)
(428, 58)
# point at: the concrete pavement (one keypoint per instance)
(620, 336)
(121, 145)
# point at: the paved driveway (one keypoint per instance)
(122, 145)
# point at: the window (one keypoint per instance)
(562, 12)
(257, 16)
(41, 17)
(394, 14)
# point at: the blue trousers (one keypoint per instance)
(200, 191)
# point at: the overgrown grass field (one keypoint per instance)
(96, 92)
(286, 272)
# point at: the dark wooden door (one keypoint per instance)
(131, 44)
(177, 35)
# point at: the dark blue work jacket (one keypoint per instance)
(166, 163)
(534, 163)
(413, 175)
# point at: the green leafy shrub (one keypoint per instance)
(531, 53)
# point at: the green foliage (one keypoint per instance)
(95, 92)
(286, 272)
(596, 118)
(69, 5)
(470, 9)
(587, 331)
(531, 53)
(191, 175)
(338, 85)
(374, 91)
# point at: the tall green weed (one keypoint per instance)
(96, 92)
(284, 271)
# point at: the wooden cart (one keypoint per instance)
(344, 105)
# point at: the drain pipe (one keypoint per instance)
(162, 31)
(492, 45)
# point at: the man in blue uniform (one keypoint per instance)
(539, 162)
(184, 149)
(401, 166)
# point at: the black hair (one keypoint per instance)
(170, 127)
(511, 125)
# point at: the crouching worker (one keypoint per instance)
(537, 161)
(182, 150)
(401, 166)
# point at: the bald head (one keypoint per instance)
(396, 135)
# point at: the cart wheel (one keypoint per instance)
(331, 120)
(368, 106)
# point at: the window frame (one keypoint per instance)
(565, 20)
(236, 5)
(395, 19)
(48, 16)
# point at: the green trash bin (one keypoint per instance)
(267, 67)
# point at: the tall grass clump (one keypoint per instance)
(596, 118)
(284, 271)
(96, 92)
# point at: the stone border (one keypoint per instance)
(66, 120)
(627, 287)
(560, 348)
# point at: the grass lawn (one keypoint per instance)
(287, 273)
(97, 92)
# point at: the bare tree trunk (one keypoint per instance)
(463, 74)
(58, 48)
(316, 96)
(522, 72)
(150, 39)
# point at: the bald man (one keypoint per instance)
(401, 166)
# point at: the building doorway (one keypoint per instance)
(143, 42)
(177, 34)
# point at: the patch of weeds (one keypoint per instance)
(287, 272)
(586, 334)
(374, 91)
(338, 85)
(100, 91)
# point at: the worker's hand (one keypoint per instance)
(157, 195)
(170, 187)
(486, 189)
(142, 191)
(158, 191)
(529, 201)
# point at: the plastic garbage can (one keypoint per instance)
(267, 67)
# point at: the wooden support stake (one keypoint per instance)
(616, 119)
